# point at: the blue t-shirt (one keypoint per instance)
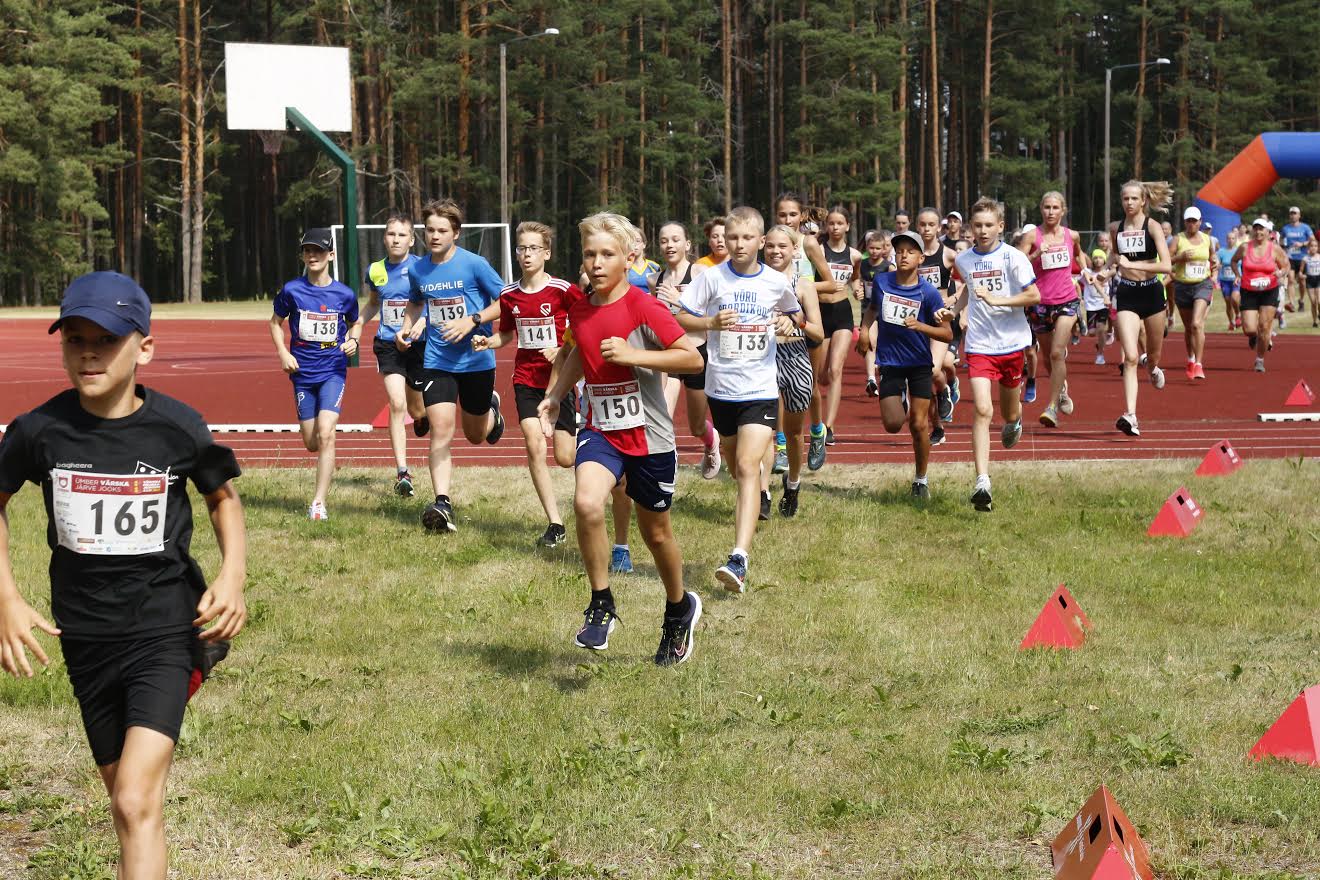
(1226, 263)
(1295, 236)
(895, 344)
(318, 321)
(458, 288)
(390, 281)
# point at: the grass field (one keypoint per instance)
(411, 706)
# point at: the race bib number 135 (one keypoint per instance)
(109, 514)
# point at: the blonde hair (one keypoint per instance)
(1156, 195)
(1055, 194)
(793, 235)
(531, 227)
(987, 205)
(616, 226)
(745, 216)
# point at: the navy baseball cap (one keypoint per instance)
(318, 238)
(108, 299)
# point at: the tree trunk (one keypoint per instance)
(902, 103)
(199, 158)
(1141, 91)
(985, 91)
(935, 101)
(138, 202)
(641, 116)
(1180, 170)
(771, 84)
(185, 158)
(726, 52)
(465, 72)
(803, 146)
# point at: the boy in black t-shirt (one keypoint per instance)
(113, 460)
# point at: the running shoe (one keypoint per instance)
(1260, 365)
(1127, 423)
(1011, 433)
(937, 436)
(1050, 417)
(621, 561)
(788, 505)
(954, 395)
(1288, 306)
(676, 634)
(439, 517)
(920, 490)
(317, 511)
(1100, 360)
(710, 462)
(1029, 392)
(1198, 371)
(1141, 361)
(816, 453)
(982, 501)
(1109, 338)
(829, 436)
(781, 460)
(422, 426)
(1188, 369)
(1066, 405)
(404, 486)
(765, 507)
(872, 389)
(733, 574)
(554, 535)
(1157, 378)
(1251, 340)
(944, 403)
(1283, 323)
(206, 653)
(598, 622)
(497, 429)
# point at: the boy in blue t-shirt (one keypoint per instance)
(325, 328)
(910, 311)
(453, 293)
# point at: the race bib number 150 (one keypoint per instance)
(109, 514)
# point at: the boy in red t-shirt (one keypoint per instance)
(534, 313)
(626, 341)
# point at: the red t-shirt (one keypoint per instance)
(626, 404)
(537, 320)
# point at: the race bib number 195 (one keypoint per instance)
(109, 514)
(1055, 258)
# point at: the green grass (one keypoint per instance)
(405, 705)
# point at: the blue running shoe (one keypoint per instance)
(1029, 392)
(676, 634)
(620, 561)
(733, 574)
(954, 396)
(599, 622)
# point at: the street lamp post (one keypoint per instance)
(504, 118)
(1109, 78)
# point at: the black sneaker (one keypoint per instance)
(554, 535)
(944, 402)
(439, 517)
(497, 429)
(788, 505)
(981, 500)
(422, 426)
(404, 485)
(205, 655)
(765, 507)
(676, 634)
(829, 436)
(937, 435)
(920, 491)
(1251, 340)
(872, 389)
(598, 623)
(816, 453)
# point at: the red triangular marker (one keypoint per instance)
(382, 419)
(1179, 516)
(1301, 395)
(1296, 735)
(1061, 623)
(1221, 459)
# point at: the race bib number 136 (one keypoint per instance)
(109, 514)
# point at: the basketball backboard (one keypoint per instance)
(262, 79)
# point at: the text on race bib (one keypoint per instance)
(1313, 266)
(1132, 241)
(442, 310)
(930, 275)
(841, 271)
(391, 312)
(992, 280)
(1197, 270)
(318, 326)
(616, 407)
(897, 309)
(537, 333)
(109, 514)
(743, 342)
(1055, 258)
(1262, 282)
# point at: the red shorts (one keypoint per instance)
(1006, 369)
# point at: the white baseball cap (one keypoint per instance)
(1263, 223)
(1294, 208)
(1030, 227)
(954, 214)
(1192, 213)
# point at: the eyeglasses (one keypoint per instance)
(528, 248)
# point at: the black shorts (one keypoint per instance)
(1255, 300)
(1296, 264)
(527, 399)
(696, 381)
(650, 477)
(1313, 282)
(132, 683)
(1099, 316)
(403, 363)
(836, 316)
(1144, 298)
(728, 415)
(471, 391)
(918, 382)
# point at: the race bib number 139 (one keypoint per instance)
(109, 514)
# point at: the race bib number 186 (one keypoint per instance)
(109, 514)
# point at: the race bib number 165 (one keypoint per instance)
(109, 514)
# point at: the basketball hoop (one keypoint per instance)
(271, 140)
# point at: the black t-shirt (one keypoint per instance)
(116, 490)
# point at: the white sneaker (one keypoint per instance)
(1157, 377)
(317, 511)
(710, 462)
(1127, 423)
(1142, 360)
(1260, 365)
(1100, 359)
(1065, 402)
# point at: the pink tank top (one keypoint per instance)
(1258, 270)
(1053, 267)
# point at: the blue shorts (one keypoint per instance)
(650, 477)
(1228, 287)
(314, 397)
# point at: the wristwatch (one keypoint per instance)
(476, 320)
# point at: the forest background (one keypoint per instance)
(114, 153)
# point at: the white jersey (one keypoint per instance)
(741, 360)
(1093, 295)
(1005, 272)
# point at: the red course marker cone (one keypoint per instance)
(1179, 516)
(1301, 395)
(1296, 735)
(382, 419)
(1221, 459)
(1061, 623)
(1100, 844)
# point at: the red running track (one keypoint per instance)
(228, 371)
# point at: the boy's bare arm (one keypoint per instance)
(17, 617)
(223, 602)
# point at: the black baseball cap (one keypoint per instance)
(110, 300)
(318, 238)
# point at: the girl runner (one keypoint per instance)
(716, 252)
(836, 309)
(1228, 281)
(1140, 255)
(1194, 262)
(998, 286)
(1053, 250)
(534, 313)
(877, 262)
(936, 261)
(1311, 271)
(641, 270)
(1095, 297)
(1260, 263)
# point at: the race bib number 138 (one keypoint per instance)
(109, 514)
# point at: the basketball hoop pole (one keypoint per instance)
(345, 163)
